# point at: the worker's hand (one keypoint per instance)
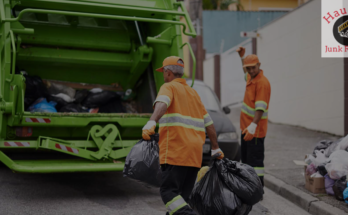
(249, 132)
(149, 129)
(217, 151)
(241, 51)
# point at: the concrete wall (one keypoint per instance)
(208, 72)
(307, 90)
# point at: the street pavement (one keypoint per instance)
(98, 194)
(285, 143)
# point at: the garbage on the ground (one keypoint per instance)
(322, 170)
(322, 145)
(316, 175)
(339, 186)
(338, 166)
(311, 169)
(142, 162)
(54, 89)
(320, 157)
(333, 147)
(211, 195)
(329, 159)
(329, 183)
(345, 195)
(315, 184)
(41, 105)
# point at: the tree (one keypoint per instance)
(221, 4)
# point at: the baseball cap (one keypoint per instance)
(251, 60)
(172, 60)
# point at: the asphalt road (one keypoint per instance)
(97, 194)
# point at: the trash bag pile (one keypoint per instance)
(330, 160)
(226, 188)
(142, 163)
(46, 96)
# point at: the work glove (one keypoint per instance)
(241, 51)
(149, 129)
(249, 132)
(217, 151)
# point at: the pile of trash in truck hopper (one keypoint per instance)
(53, 96)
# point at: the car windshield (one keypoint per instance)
(207, 97)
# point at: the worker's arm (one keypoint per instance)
(249, 132)
(149, 128)
(212, 136)
(160, 110)
(241, 52)
(258, 115)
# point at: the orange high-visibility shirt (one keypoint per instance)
(182, 128)
(257, 96)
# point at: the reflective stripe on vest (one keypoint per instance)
(251, 111)
(164, 99)
(260, 171)
(175, 204)
(176, 119)
(261, 105)
(207, 120)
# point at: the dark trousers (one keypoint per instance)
(253, 154)
(177, 182)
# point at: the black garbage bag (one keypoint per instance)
(241, 179)
(338, 188)
(142, 163)
(322, 170)
(72, 108)
(212, 196)
(94, 100)
(60, 102)
(80, 95)
(114, 106)
(34, 89)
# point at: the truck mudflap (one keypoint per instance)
(110, 155)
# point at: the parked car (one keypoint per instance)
(226, 132)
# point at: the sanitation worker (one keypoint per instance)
(183, 121)
(254, 115)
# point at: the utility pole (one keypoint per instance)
(196, 8)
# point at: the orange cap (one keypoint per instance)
(251, 60)
(172, 60)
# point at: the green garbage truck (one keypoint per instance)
(83, 44)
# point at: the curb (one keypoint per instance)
(304, 200)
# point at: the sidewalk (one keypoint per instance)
(283, 144)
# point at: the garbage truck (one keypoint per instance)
(108, 44)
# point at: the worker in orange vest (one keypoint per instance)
(254, 114)
(183, 121)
